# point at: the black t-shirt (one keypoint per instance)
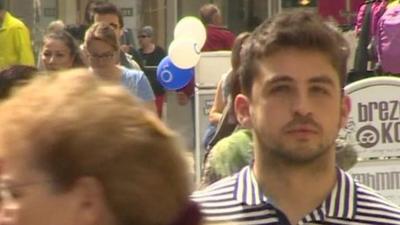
(150, 62)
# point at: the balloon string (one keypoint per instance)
(195, 49)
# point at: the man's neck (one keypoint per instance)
(296, 190)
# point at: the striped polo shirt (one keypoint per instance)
(238, 199)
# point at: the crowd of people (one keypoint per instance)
(82, 143)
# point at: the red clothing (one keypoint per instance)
(218, 38)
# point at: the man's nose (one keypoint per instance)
(302, 104)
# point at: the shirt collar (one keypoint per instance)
(6, 21)
(341, 203)
(247, 189)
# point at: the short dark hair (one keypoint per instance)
(14, 76)
(207, 13)
(108, 8)
(296, 29)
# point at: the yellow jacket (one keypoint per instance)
(15, 43)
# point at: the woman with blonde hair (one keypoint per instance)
(101, 46)
(79, 151)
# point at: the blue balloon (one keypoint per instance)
(172, 77)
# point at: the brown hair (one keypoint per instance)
(299, 29)
(102, 32)
(14, 76)
(235, 62)
(93, 129)
(107, 8)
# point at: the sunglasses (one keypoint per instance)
(142, 36)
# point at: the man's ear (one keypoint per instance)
(242, 110)
(345, 110)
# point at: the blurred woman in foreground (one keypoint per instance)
(76, 151)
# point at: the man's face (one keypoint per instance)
(296, 107)
(144, 40)
(111, 20)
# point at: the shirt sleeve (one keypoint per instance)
(144, 90)
(23, 45)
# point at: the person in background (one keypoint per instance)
(128, 45)
(224, 92)
(78, 30)
(218, 37)
(14, 76)
(59, 51)
(15, 40)
(107, 12)
(152, 55)
(292, 78)
(76, 150)
(101, 46)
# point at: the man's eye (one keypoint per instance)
(319, 90)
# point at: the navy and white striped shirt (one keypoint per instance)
(239, 199)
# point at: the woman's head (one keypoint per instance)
(59, 51)
(101, 45)
(88, 153)
(236, 55)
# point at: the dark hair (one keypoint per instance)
(89, 11)
(235, 62)
(108, 8)
(207, 13)
(69, 41)
(14, 76)
(296, 29)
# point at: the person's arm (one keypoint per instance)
(183, 95)
(218, 105)
(23, 45)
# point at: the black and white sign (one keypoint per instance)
(374, 122)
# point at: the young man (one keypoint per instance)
(109, 13)
(292, 77)
(15, 41)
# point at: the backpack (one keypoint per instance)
(388, 40)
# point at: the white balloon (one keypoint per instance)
(183, 53)
(191, 28)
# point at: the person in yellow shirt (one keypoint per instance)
(15, 42)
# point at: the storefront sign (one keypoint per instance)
(381, 175)
(374, 122)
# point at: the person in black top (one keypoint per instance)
(151, 55)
